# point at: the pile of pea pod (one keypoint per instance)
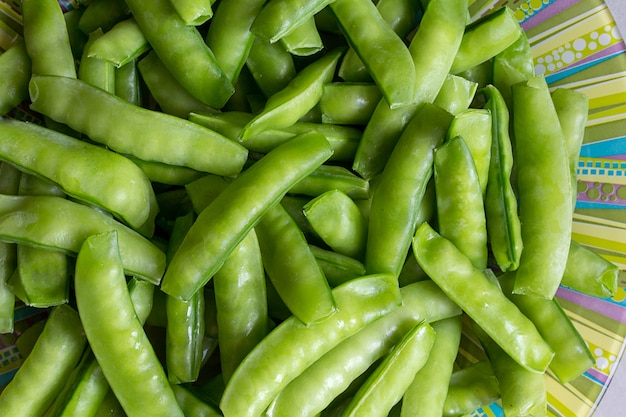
(287, 208)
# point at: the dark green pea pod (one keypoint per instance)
(545, 207)
(348, 103)
(292, 346)
(192, 405)
(292, 267)
(270, 65)
(110, 407)
(470, 389)
(16, 69)
(572, 355)
(304, 40)
(103, 14)
(456, 94)
(481, 299)
(460, 207)
(77, 37)
(503, 223)
(94, 71)
(513, 65)
(167, 174)
(290, 104)
(279, 18)
(55, 354)
(127, 85)
(337, 268)
(588, 272)
(9, 184)
(332, 177)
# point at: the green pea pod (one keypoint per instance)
(121, 44)
(304, 40)
(400, 189)
(503, 223)
(348, 103)
(292, 268)
(127, 83)
(46, 38)
(481, 299)
(293, 346)
(110, 407)
(288, 105)
(55, 354)
(485, 38)
(120, 187)
(167, 174)
(544, 184)
(382, 51)
(279, 18)
(471, 388)
(63, 225)
(588, 272)
(337, 268)
(16, 69)
(77, 37)
(102, 14)
(183, 51)
(191, 405)
(460, 207)
(513, 65)
(332, 177)
(456, 94)
(258, 188)
(116, 337)
(169, 139)
(9, 184)
(270, 65)
(321, 383)
(572, 355)
(96, 72)
(427, 393)
(193, 12)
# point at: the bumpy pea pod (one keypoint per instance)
(120, 45)
(588, 272)
(16, 69)
(41, 377)
(522, 392)
(481, 299)
(120, 186)
(304, 40)
(486, 38)
(46, 38)
(61, 224)
(270, 65)
(288, 105)
(572, 356)
(513, 65)
(332, 177)
(460, 207)
(349, 103)
(279, 18)
(427, 393)
(170, 140)
(9, 184)
(471, 388)
(193, 12)
(322, 382)
(293, 346)
(183, 51)
(116, 337)
(258, 188)
(544, 184)
(442, 24)
(382, 51)
(400, 189)
(503, 223)
(292, 268)
(456, 94)
(94, 71)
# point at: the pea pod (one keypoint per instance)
(293, 346)
(121, 44)
(270, 65)
(103, 14)
(127, 83)
(96, 72)
(116, 337)
(304, 40)
(16, 69)
(545, 207)
(487, 306)
(194, 12)
(456, 94)
(348, 103)
(471, 388)
(279, 18)
(588, 272)
(9, 184)
(191, 405)
(513, 65)
(337, 268)
(169, 140)
(332, 177)
(258, 188)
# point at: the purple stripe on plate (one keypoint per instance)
(598, 376)
(604, 307)
(547, 13)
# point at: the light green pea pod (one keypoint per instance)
(349, 103)
(470, 389)
(123, 43)
(55, 354)
(427, 393)
(279, 18)
(386, 386)
(332, 177)
(460, 207)
(167, 174)
(513, 65)
(193, 12)
(288, 105)
(94, 71)
(338, 221)
(102, 14)
(77, 37)
(337, 268)
(456, 94)
(16, 69)
(192, 405)
(270, 65)
(9, 184)
(304, 40)
(475, 127)
(588, 272)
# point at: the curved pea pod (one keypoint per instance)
(460, 207)
(337, 268)
(481, 299)
(258, 188)
(503, 222)
(170, 140)
(293, 346)
(471, 388)
(287, 106)
(292, 267)
(400, 189)
(279, 18)
(304, 40)
(588, 272)
(16, 69)
(334, 373)
(41, 376)
(456, 94)
(116, 337)
(120, 186)
(382, 51)
(183, 51)
(544, 184)
(348, 103)
(270, 65)
(63, 225)
(121, 44)
(337, 220)
(427, 392)
(486, 38)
